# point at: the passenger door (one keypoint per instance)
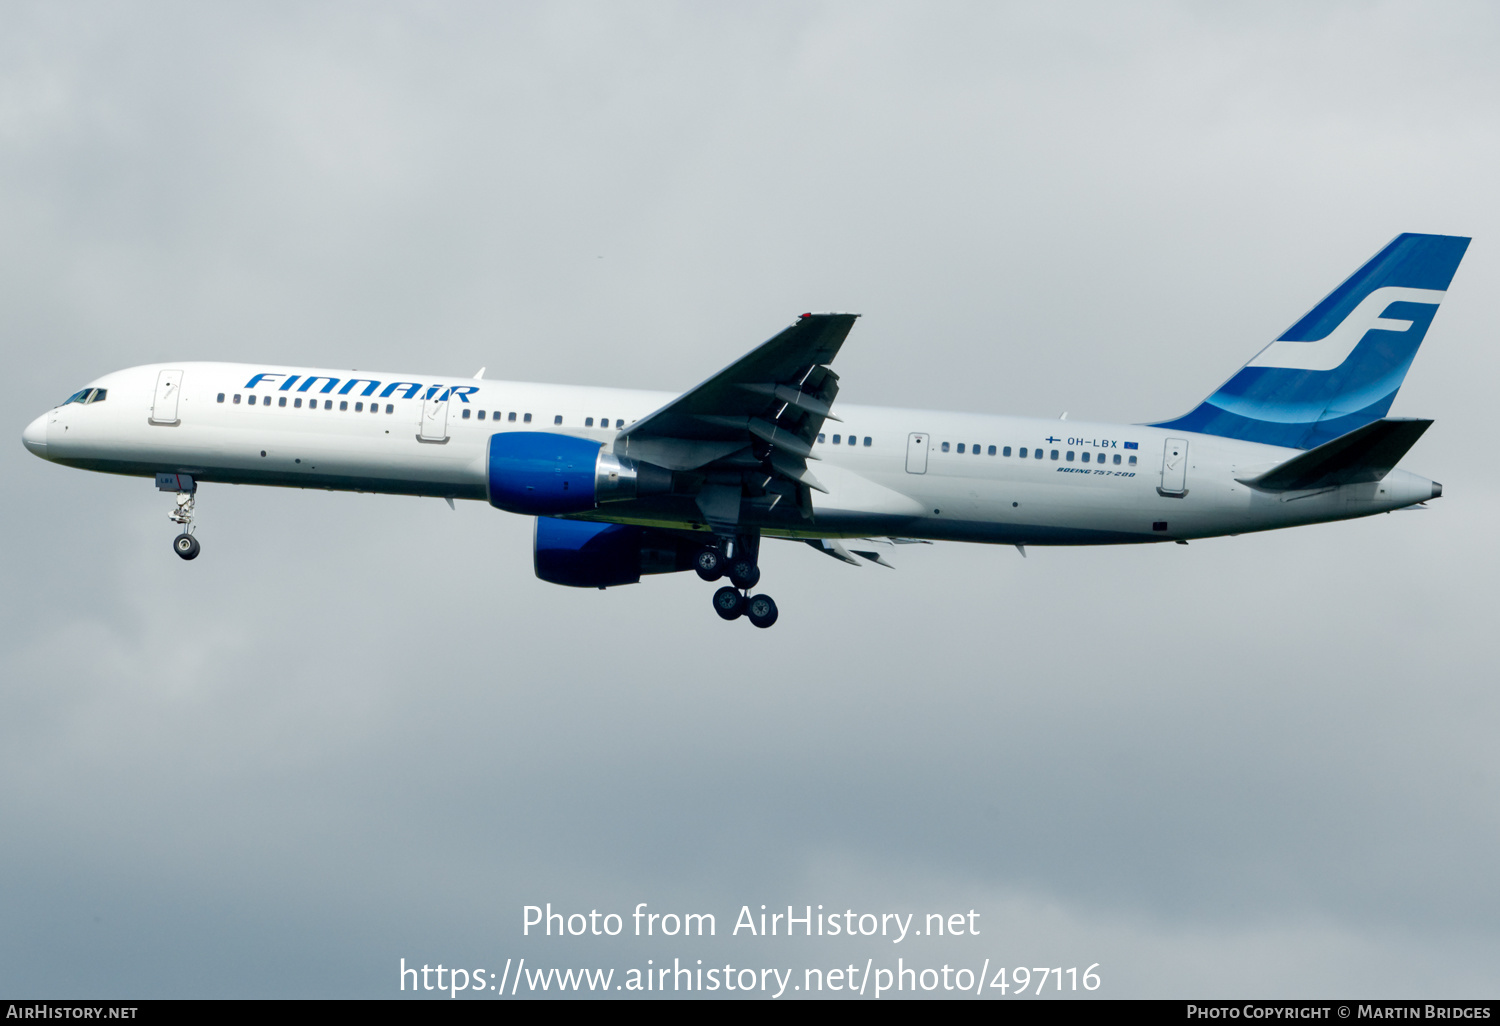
(916, 452)
(164, 406)
(1174, 468)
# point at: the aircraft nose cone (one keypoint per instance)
(35, 436)
(1437, 490)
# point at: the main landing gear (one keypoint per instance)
(742, 567)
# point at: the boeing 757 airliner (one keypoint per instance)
(624, 483)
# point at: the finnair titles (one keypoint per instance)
(626, 483)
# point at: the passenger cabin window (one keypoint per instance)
(236, 398)
(1132, 461)
(252, 400)
(1006, 451)
(1085, 457)
(390, 407)
(466, 415)
(344, 405)
(526, 419)
(619, 422)
(945, 444)
(960, 447)
(281, 401)
(1054, 454)
(221, 397)
(976, 449)
(853, 440)
(557, 419)
(867, 441)
(1037, 454)
(328, 404)
(992, 451)
(1117, 459)
(588, 421)
(360, 408)
(839, 438)
(1023, 453)
(1070, 455)
(822, 438)
(296, 404)
(512, 417)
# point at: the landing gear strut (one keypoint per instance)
(743, 568)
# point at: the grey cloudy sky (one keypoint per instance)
(359, 729)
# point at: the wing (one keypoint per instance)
(749, 429)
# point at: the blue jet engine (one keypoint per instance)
(584, 554)
(540, 473)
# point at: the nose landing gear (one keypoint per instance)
(185, 544)
(743, 570)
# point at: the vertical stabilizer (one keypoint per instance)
(1339, 367)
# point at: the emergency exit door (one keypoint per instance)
(434, 427)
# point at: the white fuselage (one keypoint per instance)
(911, 473)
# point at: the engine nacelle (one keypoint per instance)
(537, 472)
(584, 554)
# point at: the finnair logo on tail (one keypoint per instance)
(1331, 351)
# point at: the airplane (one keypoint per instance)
(626, 483)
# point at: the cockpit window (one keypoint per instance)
(88, 395)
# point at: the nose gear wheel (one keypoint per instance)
(186, 546)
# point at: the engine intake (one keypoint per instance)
(539, 473)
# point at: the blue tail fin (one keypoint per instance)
(1339, 367)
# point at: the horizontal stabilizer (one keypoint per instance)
(1365, 454)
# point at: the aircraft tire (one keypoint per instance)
(744, 574)
(186, 546)
(761, 611)
(729, 603)
(709, 563)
